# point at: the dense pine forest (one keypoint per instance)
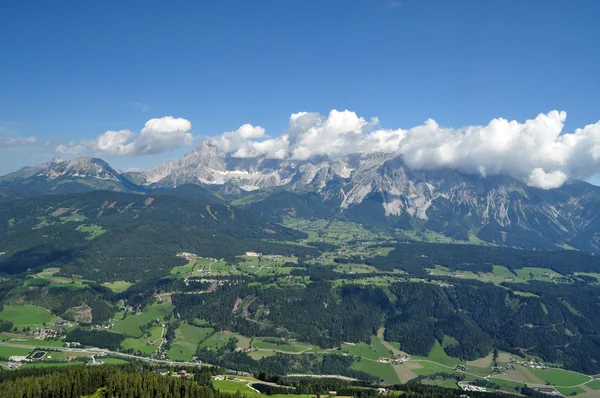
(140, 382)
(479, 317)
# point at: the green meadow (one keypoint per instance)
(559, 377)
(384, 371)
(27, 315)
(118, 286)
(187, 338)
(7, 352)
(131, 324)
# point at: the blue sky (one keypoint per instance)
(72, 70)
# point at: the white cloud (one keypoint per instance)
(158, 135)
(71, 148)
(17, 141)
(536, 151)
(539, 178)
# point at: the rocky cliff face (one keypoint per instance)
(376, 189)
(379, 187)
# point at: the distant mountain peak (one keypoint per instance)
(80, 174)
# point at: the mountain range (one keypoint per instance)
(377, 190)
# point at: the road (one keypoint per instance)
(96, 351)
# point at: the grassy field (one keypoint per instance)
(521, 374)
(265, 345)
(187, 338)
(382, 370)
(501, 274)
(259, 266)
(335, 232)
(40, 343)
(559, 377)
(235, 386)
(182, 269)
(118, 286)
(73, 218)
(216, 340)
(373, 351)
(524, 294)
(241, 385)
(131, 324)
(539, 274)
(92, 230)
(243, 341)
(47, 278)
(7, 352)
(594, 385)
(428, 368)
(507, 384)
(141, 344)
(27, 315)
(438, 355)
(114, 361)
(570, 390)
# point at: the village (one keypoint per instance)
(397, 360)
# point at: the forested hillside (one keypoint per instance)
(106, 235)
(560, 324)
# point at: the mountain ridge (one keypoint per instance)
(376, 189)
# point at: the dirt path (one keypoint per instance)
(395, 351)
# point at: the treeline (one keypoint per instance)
(141, 382)
(104, 381)
(281, 364)
(96, 338)
(562, 320)
(5, 326)
(415, 257)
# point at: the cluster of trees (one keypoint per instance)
(439, 376)
(96, 338)
(170, 333)
(6, 326)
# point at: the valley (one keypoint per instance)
(234, 311)
(289, 293)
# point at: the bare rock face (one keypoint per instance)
(372, 189)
